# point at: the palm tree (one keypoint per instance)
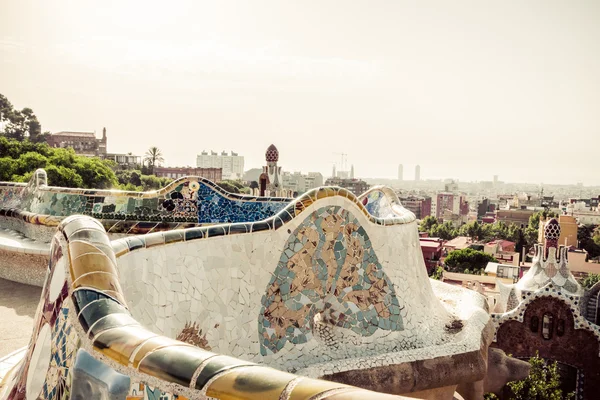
(152, 157)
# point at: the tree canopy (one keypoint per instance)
(232, 186)
(19, 124)
(19, 159)
(589, 239)
(468, 259)
(591, 280)
(543, 382)
(153, 157)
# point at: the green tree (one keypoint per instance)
(543, 382)
(151, 182)
(445, 231)
(473, 230)
(468, 259)
(63, 176)
(589, 239)
(427, 223)
(153, 157)
(591, 280)
(229, 186)
(534, 220)
(18, 161)
(438, 273)
(18, 124)
(7, 168)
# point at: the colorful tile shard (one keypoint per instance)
(328, 271)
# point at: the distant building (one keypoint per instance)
(515, 217)
(418, 205)
(231, 164)
(84, 143)
(212, 174)
(270, 182)
(446, 203)
(502, 271)
(400, 172)
(356, 186)
(418, 173)
(300, 183)
(432, 249)
(503, 251)
(124, 160)
(458, 243)
(483, 207)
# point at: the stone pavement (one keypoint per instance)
(18, 304)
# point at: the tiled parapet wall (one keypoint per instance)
(322, 287)
(86, 344)
(186, 200)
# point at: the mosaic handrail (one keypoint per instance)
(82, 278)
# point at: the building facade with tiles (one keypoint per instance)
(548, 312)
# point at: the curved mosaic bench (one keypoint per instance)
(86, 344)
(35, 210)
(333, 286)
(188, 201)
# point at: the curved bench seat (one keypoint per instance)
(86, 344)
(324, 288)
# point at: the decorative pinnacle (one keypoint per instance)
(552, 233)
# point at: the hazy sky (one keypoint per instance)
(466, 89)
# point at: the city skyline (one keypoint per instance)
(498, 96)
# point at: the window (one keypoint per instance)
(534, 324)
(547, 326)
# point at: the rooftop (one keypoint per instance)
(460, 242)
(75, 134)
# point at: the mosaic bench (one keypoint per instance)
(35, 210)
(86, 344)
(333, 287)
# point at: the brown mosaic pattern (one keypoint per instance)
(328, 274)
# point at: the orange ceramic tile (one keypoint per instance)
(254, 382)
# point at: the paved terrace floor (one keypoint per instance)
(18, 303)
